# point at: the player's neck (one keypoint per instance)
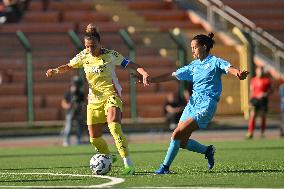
(97, 53)
(204, 56)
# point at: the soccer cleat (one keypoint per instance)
(129, 170)
(249, 136)
(209, 155)
(162, 170)
(113, 158)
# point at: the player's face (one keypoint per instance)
(198, 51)
(93, 47)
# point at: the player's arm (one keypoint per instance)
(65, 105)
(59, 70)
(269, 90)
(157, 79)
(144, 76)
(251, 88)
(163, 78)
(236, 72)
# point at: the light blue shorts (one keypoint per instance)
(201, 109)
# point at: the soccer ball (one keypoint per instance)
(100, 164)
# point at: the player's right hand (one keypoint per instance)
(50, 72)
(243, 75)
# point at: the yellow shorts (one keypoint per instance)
(98, 115)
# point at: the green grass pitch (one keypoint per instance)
(257, 163)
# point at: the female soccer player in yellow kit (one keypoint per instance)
(104, 99)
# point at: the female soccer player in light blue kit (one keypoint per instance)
(205, 72)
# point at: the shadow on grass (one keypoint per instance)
(144, 173)
(150, 173)
(47, 168)
(249, 171)
(256, 148)
(42, 155)
(44, 168)
(70, 154)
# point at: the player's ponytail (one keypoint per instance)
(206, 40)
(92, 32)
(211, 35)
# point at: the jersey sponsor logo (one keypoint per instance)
(115, 53)
(98, 69)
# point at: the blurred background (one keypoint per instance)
(36, 35)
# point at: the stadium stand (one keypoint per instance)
(268, 15)
(47, 32)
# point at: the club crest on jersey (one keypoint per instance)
(206, 66)
(98, 69)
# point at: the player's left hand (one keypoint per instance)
(145, 79)
(243, 75)
(138, 78)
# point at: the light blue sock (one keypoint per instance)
(172, 152)
(195, 146)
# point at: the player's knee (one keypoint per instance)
(93, 141)
(114, 115)
(176, 135)
(183, 144)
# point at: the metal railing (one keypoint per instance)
(132, 55)
(79, 47)
(180, 42)
(29, 74)
(246, 63)
(223, 17)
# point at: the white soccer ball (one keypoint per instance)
(100, 164)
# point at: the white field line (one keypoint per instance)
(113, 180)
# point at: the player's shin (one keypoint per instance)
(120, 139)
(100, 145)
(122, 147)
(172, 152)
(195, 146)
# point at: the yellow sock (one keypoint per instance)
(100, 145)
(119, 138)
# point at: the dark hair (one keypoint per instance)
(92, 33)
(206, 40)
(76, 81)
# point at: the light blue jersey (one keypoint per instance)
(207, 88)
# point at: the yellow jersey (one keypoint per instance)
(100, 74)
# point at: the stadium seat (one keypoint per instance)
(83, 16)
(13, 115)
(34, 27)
(149, 5)
(39, 16)
(47, 114)
(12, 89)
(18, 101)
(69, 5)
